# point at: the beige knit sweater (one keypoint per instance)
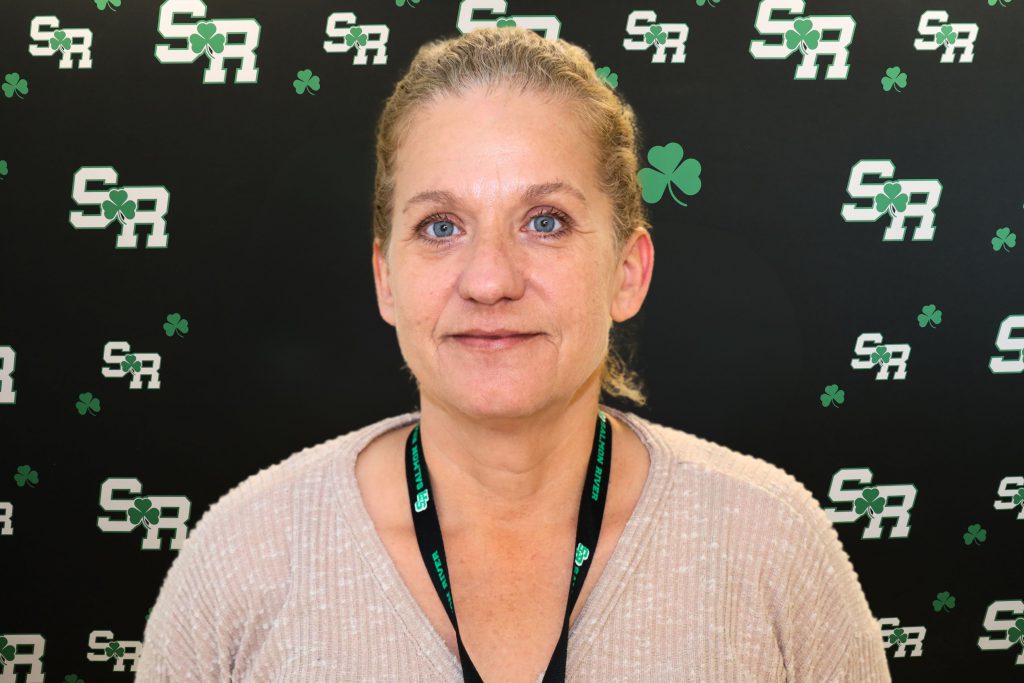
(728, 570)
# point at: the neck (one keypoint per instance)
(506, 473)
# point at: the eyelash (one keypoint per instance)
(567, 225)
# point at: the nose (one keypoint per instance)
(494, 265)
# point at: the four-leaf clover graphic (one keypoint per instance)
(869, 502)
(60, 41)
(118, 206)
(87, 403)
(1004, 239)
(14, 84)
(143, 513)
(929, 314)
(608, 76)
(655, 34)
(102, 4)
(355, 35)
(668, 171)
(175, 323)
(833, 395)
(26, 475)
(305, 80)
(206, 38)
(891, 198)
(894, 77)
(945, 34)
(802, 36)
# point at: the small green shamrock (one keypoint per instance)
(130, 364)
(355, 35)
(898, 635)
(175, 323)
(3, 167)
(891, 198)
(505, 22)
(1018, 497)
(143, 513)
(801, 36)
(6, 650)
(118, 205)
(655, 34)
(869, 502)
(15, 84)
(60, 41)
(1004, 239)
(668, 171)
(1003, 3)
(880, 355)
(833, 394)
(608, 76)
(894, 77)
(26, 475)
(709, 3)
(115, 650)
(945, 34)
(305, 80)
(102, 4)
(412, 3)
(1016, 632)
(73, 678)
(928, 315)
(974, 534)
(943, 601)
(87, 403)
(207, 38)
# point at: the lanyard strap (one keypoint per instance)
(588, 529)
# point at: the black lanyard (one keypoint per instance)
(588, 529)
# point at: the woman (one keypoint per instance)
(513, 528)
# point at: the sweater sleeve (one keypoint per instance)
(831, 634)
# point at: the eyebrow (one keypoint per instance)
(531, 193)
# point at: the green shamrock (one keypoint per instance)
(1018, 497)
(175, 323)
(582, 553)
(655, 34)
(893, 76)
(305, 80)
(129, 363)
(898, 635)
(709, 3)
(143, 512)
(73, 678)
(608, 76)
(102, 4)
(880, 355)
(3, 167)
(1004, 239)
(929, 314)
(801, 36)
(943, 601)
(668, 171)
(974, 533)
(891, 198)
(207, 38)
(1004, 3)
(115, 649)
(60, 41)
(1016, 632)
(87, 403)
(118, 205)
(26, 475)
(15, 84)
(505, 21)
(355, 35)
(412, 3)
(833, 394)
(945, 34)
(6, 650)
(869, 502)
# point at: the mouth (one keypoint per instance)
(493, 343)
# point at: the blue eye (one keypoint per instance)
(545, 227)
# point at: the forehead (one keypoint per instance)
(487, 147)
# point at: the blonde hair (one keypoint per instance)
(515, 56)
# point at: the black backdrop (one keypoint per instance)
(761, 290)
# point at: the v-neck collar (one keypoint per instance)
(596, 608)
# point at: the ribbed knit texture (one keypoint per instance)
(728, 570)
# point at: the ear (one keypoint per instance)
(381, 281)
(633, 276)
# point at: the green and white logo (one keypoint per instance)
(582, 553)
(1005, 619)
(138, 365)
(67, 41)
(1007, 343)
(874, 503)
(893, 199)
(421, 500)
(547, 25)
(150, 513)
(361, 37)
(869, 352)
(122, 204)
(1011, 495)
(104, 646)
(940, 33)
(209, 39)
(807, 35)
(643, 24)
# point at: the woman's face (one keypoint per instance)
(493, 265)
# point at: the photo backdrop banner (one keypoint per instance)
(836, 193)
